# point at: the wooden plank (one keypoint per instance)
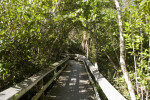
(20, 89)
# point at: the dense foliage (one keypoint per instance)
(30, 39)
(34, 33)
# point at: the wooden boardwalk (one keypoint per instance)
(73, 84)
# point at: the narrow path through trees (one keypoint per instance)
(73, 84)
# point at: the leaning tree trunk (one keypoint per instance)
(96, 53)
(122, 54)
(135, 61)
(135, 67)
(141, 56)
(114, 65)
(147, 91)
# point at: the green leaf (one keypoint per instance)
(2, 32)
(127, 24)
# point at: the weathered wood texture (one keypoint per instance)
(110, 92)
(48, 83)
(73, 84)
(97, 97)
(20, 89)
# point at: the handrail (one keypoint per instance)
(110, 92)
(97, 97)
(20, 89)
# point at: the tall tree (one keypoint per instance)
(122, 54)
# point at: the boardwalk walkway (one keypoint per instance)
(73, 84)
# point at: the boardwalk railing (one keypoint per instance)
(20, 89)
(110, 92)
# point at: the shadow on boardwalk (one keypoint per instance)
(73, 84)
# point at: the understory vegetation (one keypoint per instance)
(115, 35)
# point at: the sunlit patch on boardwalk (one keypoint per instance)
(73, 84)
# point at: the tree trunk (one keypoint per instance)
(57, 38)
(135, 61)
(87, 49)
(117, 56)
(122, 54)
(96, 65)
(141, 56)
(147, 91)
(135, 67)
(114, 65)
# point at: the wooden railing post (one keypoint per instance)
(40, 87)
(55, 72)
